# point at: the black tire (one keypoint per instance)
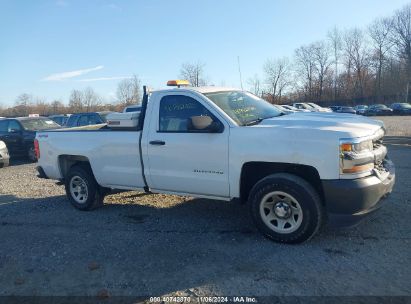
(308, 199)
(31, 154)
(95, 196)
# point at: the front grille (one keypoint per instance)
(377, 143)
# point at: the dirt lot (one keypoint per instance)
(396, 125)
(153, 245)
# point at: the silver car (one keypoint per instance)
(4, 155)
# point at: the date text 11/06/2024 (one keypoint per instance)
(221, 299)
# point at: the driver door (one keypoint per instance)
(182, 159)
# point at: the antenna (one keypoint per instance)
(239, 71)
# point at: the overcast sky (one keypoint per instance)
(48, 48)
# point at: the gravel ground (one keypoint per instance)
(396, 125)
(157, 245)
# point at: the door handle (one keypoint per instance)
(157, 142)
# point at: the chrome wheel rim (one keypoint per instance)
(281, 212)
(78, 189)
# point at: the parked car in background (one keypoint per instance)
(291, 108)
(349, 110)
(85, 119)
(61, 119)
(18, 134)
(378, 109)
(4, 155)
(284, 110)
(132, 108)
(304, 106)
(360, 109)
(334, 108)
(319, 108)
(401, 108)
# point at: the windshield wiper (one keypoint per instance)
(260, 119)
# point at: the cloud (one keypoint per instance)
(62, 3)
(105, 78)
(71, 74)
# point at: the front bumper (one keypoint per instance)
(349, 201)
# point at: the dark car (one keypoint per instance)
(60, 119)
(85, 119)
(361, 109)
(335, 108)
(401, 108)
(349, 110)
(378, 109)
(18, 134)
(4, 155)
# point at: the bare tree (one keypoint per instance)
(194, 73)
(42, 107)
(336, 44)
(357, 58)
(76, 101)
(322, 61)
(305, 63)
(277, 77)
(57, 106)
(401, 38)
(91, 100)
(379, 32)
(255, 85)
(129, 91)
(23, 104)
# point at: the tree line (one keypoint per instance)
(350, 66)
(86, 100)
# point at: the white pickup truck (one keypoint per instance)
(295, 171)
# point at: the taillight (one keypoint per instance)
(37, 148)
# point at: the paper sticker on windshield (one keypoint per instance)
(49, 122)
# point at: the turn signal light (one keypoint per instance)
(346, 147)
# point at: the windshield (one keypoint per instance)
(405, 105)
(314, 105)
(104, 116)
(38, 124)
(243, 107)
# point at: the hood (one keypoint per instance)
(350, 125)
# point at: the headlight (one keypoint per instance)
(356, 156)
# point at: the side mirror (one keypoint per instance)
(205, 124)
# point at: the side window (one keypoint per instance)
(13, 125)
(176, 112)
(3, 125)
(72, 121)
(94, 119)
(83, 120)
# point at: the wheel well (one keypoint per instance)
(68, 161)
(252, 172)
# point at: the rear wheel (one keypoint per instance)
(82, 189)
(31, 154)
(286, 208)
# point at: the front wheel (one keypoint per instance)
(82, 189)
(286, 208)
